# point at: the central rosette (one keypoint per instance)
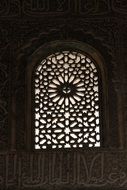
(66, 89)
(70, 89)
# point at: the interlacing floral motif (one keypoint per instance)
(66, 102)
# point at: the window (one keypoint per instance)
(66, 101)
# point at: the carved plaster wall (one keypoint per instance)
(24, 27)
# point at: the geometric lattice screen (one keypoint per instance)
(66, 102)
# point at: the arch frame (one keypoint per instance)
(67, 45)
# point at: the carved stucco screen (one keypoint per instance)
(66, 96)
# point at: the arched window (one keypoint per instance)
(67, 101)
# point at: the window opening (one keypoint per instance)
(66, 102)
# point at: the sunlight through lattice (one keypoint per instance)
(66, 102)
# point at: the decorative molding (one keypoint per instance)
(63, 169)
(10, 9)
(36, 8)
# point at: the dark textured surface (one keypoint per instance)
(25, 25)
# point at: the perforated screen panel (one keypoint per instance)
(66, 102)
